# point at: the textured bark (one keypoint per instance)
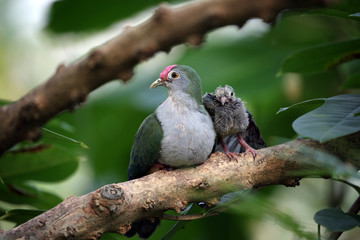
(114, 207)
(70, 85)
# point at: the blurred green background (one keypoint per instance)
(36, 36)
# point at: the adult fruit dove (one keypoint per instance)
(179, 133)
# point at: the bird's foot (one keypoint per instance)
(247, 147)
(232, 155)
(158, 166)
(227, 152)
(252, 151)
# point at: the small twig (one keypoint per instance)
(355, 187)
(83, 145)
(355, 208)
(189, 217)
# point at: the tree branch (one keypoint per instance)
(70, 85)
(112, 208)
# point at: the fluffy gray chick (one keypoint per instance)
(230, 117)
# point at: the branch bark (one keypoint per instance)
(113, 207)
(70, 85)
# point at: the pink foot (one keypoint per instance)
(252, 151)
(231, 155)
(157, 167)
(227, 152)
(246, 146)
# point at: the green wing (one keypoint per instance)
(146, 148)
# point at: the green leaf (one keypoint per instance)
(321, 58)
(44, 162)
(312, 103)
(335, 13)
(352, 82)
(336, 220)
(24, 193)
(94, 15)
(228, 199)
(20, 216)
(336, 118)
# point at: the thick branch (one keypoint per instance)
(70, 85)
(114, 207)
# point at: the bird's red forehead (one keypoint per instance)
(165, 72)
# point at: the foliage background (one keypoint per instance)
(249, 59)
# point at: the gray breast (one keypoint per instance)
(188, 136)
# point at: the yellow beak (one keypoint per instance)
(158, 82)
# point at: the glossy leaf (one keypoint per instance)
(20, 216)
(335, 13)
(321, 58)
(336, 220)
(312, 103)
(228, 199)
(42, 162)
(336, 118)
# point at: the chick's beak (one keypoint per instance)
(224, 100)
(158, 82)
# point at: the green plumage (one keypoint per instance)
(146, 149)
(180, 133)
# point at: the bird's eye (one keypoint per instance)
(174, 75)
(232, 93)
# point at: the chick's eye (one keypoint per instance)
(232, 93)
(174, 75)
